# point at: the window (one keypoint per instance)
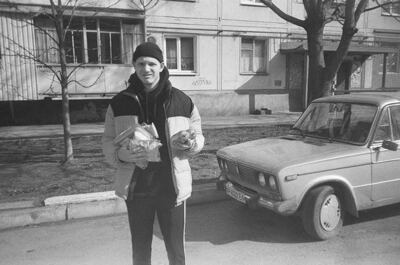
(392, 9)
(253, 56)
(395, 119)
(337, 120)
(393, 59)
(74, 41)
(389, 125)
(180, 53)
(46, 44)
(383, 130)
(89, 40)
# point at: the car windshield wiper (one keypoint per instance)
(298, 129)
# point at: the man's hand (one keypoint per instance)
(184, 140)
(126, 154)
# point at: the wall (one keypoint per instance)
(383, 28)
(219, 26)
(92, 79)
(232, 104)
(17, 74)
(29, 112)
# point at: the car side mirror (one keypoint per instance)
(389, 145)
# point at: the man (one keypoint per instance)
(157, 187)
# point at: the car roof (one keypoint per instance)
(372, 98)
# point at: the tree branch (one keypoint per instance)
(87, 86)
(145, 5)
(360, 9)
(283, 15)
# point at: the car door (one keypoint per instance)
(386, 163)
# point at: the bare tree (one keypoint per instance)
(145, 5)
(60, 14)
(319, 14)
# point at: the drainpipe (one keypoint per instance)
(305, 75)
(219, 46)
(384, 70)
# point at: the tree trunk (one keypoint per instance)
(337, 59)
(68, 151)
(327, 87)
(316, 62)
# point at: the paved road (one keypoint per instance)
(217, 233)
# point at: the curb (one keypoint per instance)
(62, 208)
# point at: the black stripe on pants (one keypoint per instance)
(141, 213)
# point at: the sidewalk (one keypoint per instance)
(69, 207)
(13, 132)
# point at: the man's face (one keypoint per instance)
(148, 70)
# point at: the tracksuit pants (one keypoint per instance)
(171, 218)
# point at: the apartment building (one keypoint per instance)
(232, 56)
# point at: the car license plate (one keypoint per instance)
(237, 195)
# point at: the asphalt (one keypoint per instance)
(62, 208)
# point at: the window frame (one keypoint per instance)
(178, 38)
(394, 130)
(42, 41)
(385, 114)
(393, 134)
(397, 54)
(388, 10)
(266, 56)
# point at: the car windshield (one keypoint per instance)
(348, 122)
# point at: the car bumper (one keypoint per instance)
(286, 207)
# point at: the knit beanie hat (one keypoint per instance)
(148, 49)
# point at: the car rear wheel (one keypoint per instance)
(322, 213)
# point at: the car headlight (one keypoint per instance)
(220, 163)
(267, 180)
(261, 179)
(272, 182)
(223, 165)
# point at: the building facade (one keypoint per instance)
(232, 56)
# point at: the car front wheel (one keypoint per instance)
(322, 213)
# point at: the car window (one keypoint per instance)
(357, 123)
(338, 121)
(395, 118)
(383, 130)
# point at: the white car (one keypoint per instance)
(340, 157)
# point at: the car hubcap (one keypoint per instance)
(330, 213)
